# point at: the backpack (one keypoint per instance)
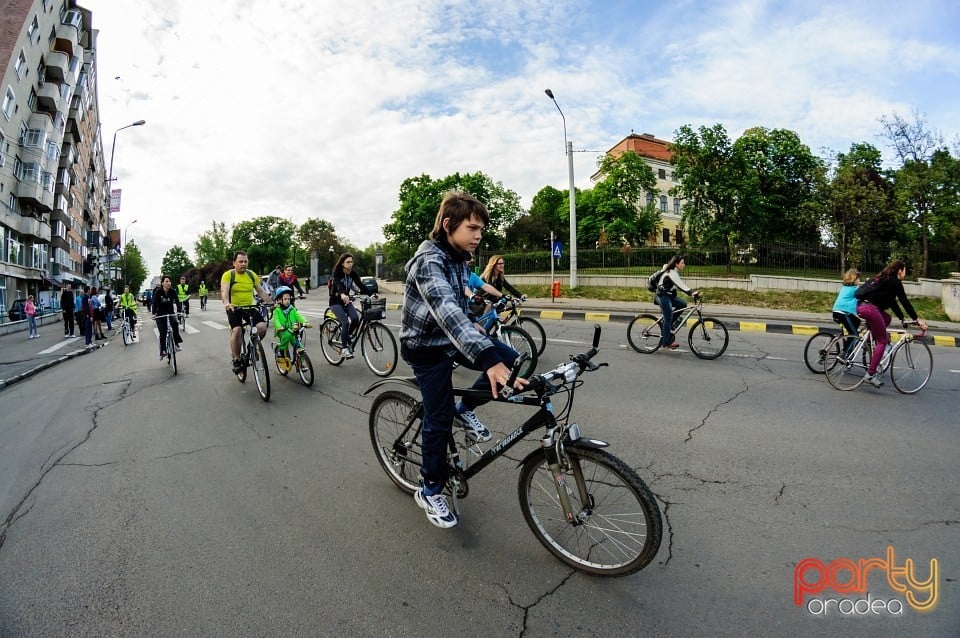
(654, 280)
(867, 288)
(233, 278)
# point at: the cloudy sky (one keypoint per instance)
(321, 108)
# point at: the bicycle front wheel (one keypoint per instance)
(172, 353)
(845, 364)
(536, 331)
(911, 366)
(379, 349)
(617, 526)
(261, 373)
(522, 342)
(816, 350)
(395, 423)
(305, 368)
(708, 338)
(644, 333)
(127, 338)
(330, 342)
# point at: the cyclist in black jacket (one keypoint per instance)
(167, 302)
(876, 296)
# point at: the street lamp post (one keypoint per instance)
(568, 147)
(113, 147)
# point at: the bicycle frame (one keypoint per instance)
(683, 316)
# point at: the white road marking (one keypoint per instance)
(56, 347)
(214, 324)
(190, 330)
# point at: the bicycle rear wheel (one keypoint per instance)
(379, 349)
(911, 366)
(644, 333)
(536, 331)
(617, 526)
(522, 342)
(171, 351)
(330, 341)
(845, 371)
(395, 423)
(816, 350)
(708, 338)
(261, 373)
(304, 368)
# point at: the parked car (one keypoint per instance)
(146, 297)
(370, 285)
(17, 312)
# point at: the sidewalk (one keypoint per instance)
(21, 358)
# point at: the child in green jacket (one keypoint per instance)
(286, 322)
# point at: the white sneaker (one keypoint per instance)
(873, 380)
(436, 508)
(347, 353)
(475, 428)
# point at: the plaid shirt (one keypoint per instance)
(435, 313)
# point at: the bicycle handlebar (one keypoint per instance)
(566, 371)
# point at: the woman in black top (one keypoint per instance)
(879, 295)
(344, 282)
(493, 275)
(167, 302)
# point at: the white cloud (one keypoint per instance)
(322, 109)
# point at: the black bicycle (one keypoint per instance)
(170, 347)
(378, 346)
(589, 508)
(252, 354)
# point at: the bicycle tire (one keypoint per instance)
(911, 366)
(330, 341)
(708, 338)
(618, 527)
(378, 347)
(535, 329)
(844, 373)
(816, 350)
(173, 359)
(521, 341)
(645, 333)
(261, 373)
(304, 368)
(127, 337)
(395, 423)
(171, 350)
(276, 364)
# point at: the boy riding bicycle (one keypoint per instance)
(286, 322)
(436, 330)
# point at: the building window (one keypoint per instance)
(31, 172)
(9, 99)
(33, 137)
(673, 176)
(663, 203)
(72, 18)
(21, 65)
(679, 235)
(666, 235)
(32, 100)
(33, 28)
(676, 206)
(662, 173)
(649, 197)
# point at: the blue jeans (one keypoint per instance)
(342, 313)
(435, 379)
(32, 325)
(668, 304)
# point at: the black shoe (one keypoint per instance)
(237, 366)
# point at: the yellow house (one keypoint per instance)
(657, 154)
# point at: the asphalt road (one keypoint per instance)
(133, 502)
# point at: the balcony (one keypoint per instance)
(58, 66)
(31, 228)
(68, 39)
(32, 192)
(48, 98)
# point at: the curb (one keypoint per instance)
(804, 329)
(26, 374)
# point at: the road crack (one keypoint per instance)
(716, 409)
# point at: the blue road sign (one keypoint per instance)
(558, 249)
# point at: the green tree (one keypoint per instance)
(945, 224)
(914, 143)
(213, 246)
(133, 268)
(616, 203)
(267, 241)
(319, 235)
(175, 263)
(547, 213)
(420, 201)
(860, 210)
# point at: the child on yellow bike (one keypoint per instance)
(287, 320)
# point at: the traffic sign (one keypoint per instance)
(558, 249)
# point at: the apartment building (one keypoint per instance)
(657, 154)
(53, 205)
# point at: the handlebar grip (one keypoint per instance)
(596, 337)
(515, 372)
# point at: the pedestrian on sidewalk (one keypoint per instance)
(86, 317)
(30, 309)
(97, 313)
(108, 307)
(68, 307)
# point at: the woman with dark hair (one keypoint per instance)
(344, 282)
(670, 282)
(876, 296)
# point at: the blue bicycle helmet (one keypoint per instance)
(283, 290)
